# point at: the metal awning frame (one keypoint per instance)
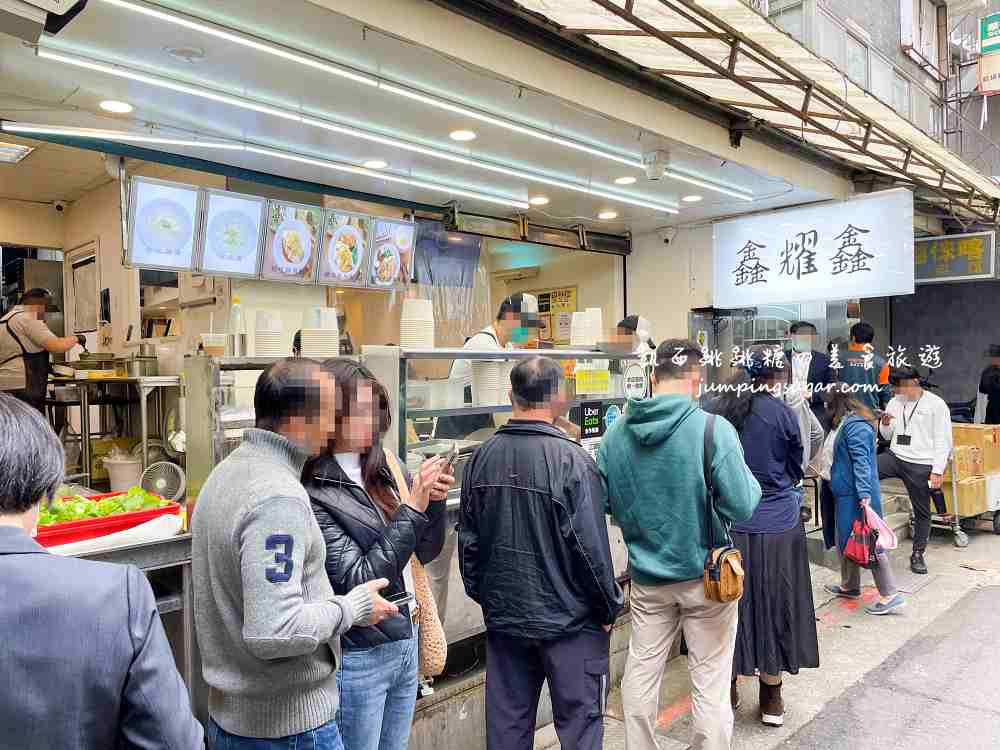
(817, 110)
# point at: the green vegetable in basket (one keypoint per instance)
(109, 506)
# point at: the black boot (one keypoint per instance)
(772, 706)
(917, 564)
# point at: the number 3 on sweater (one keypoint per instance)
(283, 558)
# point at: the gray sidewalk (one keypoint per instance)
(914, 668)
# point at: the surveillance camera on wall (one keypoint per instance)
(666, 234)
(60, 206)
(655, 163)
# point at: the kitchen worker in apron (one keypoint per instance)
(25, 345)
(517, 324)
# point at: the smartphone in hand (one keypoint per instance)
(401, 600)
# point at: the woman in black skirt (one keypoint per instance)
(777, 630)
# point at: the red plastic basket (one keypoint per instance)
(91, 528)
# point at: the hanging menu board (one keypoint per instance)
(392, 264)
(291, 242)
(346, 249)
(162, 224)
(231, 238)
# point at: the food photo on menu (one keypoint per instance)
(346, 242)
(392, 257)
(163, 224)
(291, 242)
(232, 234)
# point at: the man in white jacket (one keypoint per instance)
(918, 424)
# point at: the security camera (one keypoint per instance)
(60, 206)
(655, 164)
(666, 234)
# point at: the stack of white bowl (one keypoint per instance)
(267, 337)
(320, 333)
(506, 368)
(486, 381)
(416, 325)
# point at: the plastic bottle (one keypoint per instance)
(237, 323)
(237, 338)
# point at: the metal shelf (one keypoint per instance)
(503, 354)
(499, 409)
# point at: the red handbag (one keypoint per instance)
(862, 546)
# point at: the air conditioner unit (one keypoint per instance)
(517, 274)
(27, 19)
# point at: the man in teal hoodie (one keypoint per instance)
(651, 462)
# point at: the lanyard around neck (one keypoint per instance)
(912, 412)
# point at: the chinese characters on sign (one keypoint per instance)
(850, 250)
(961, 257)
(798, 259)
(555, 313)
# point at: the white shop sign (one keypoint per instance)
(848, 250)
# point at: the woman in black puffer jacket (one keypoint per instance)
(370, 534)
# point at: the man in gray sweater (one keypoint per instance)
(268, 623)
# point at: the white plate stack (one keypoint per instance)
(486, 383)
(416, 325)
(267, 337)
(320, 333)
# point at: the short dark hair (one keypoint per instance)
(511, 304)
(288, 388)
(863, 333)
(37, 296)
(31, 457)
(898, 374)
(802, 324)
(535, 382)
(688, 352)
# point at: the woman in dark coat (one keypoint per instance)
(854, 483)
(370, 534)
(777, 630)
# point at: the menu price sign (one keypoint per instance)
(347, 243)
(957, 257)
(291, 242)
(230, 243)
(162, 226)
(848, 250)
(556, 308)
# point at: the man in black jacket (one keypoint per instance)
(534, 553)
(86, 663)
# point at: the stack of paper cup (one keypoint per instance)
(320, 343)
(485, 383)
(416, 325)
(577, 330)
(267, 336)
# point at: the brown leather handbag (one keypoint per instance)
(433, 645)
(724, 564)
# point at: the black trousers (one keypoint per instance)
(915, 478)
(577, 670)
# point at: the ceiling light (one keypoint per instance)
(691, 198)
(205, 92)
(375, 164)
(539, 200)
(115, 135)
(462, 135)
(12, 153)
(607, 215)
(113, 105)
(340, 291)
(195, 24)
(625, 181)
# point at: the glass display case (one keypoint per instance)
(440, 398)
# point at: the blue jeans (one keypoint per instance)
(326, 737)
(378, 692)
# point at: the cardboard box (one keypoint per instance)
(986, 437)
(972, 500)
(968, 460)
